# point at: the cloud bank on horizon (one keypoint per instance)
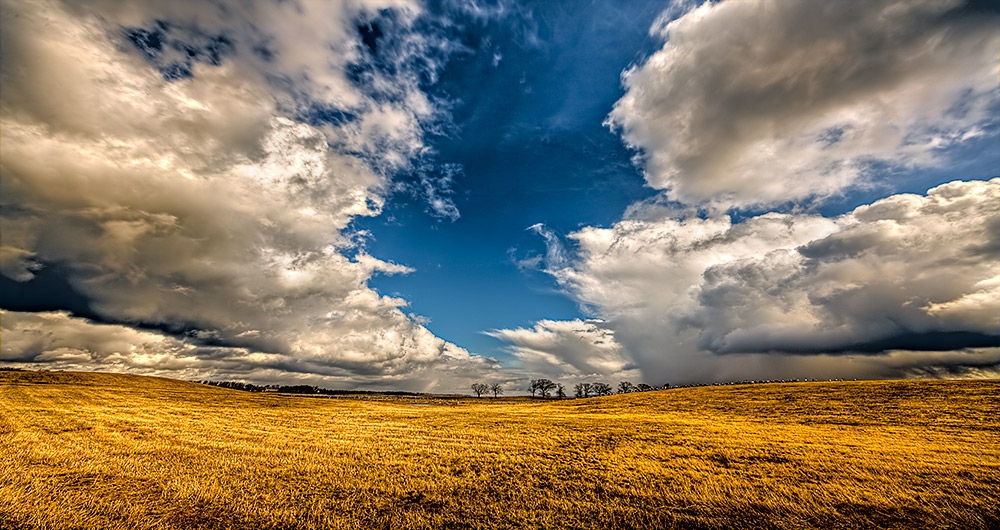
(193, 170)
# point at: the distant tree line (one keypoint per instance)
(302, 389)
(235, 385)
(546, 388)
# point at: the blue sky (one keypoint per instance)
(422, 195)
(529, 99)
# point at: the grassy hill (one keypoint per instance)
(119, 451)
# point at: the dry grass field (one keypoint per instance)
(108, 451)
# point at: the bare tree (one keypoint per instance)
(560, 392)
(497, 389)
(643, 387)
(582, 390)
(601, 389)
(626, 387)
(480, 388)
(544, 387)
(533, 387)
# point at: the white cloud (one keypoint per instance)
(200, 203)
(908, 272)
(759, 103)
(555, 255)
(566, 348)
(906, 265)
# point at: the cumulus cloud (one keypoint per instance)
(194, 166)
(793, 293)
(567, 348)
(908, 271)
(760, 103)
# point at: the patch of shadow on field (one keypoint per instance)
(730, 461)
(419, 498)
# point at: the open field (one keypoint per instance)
(118, 451)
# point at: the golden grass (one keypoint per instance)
(118, 451)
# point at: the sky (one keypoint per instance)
(419, 196)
